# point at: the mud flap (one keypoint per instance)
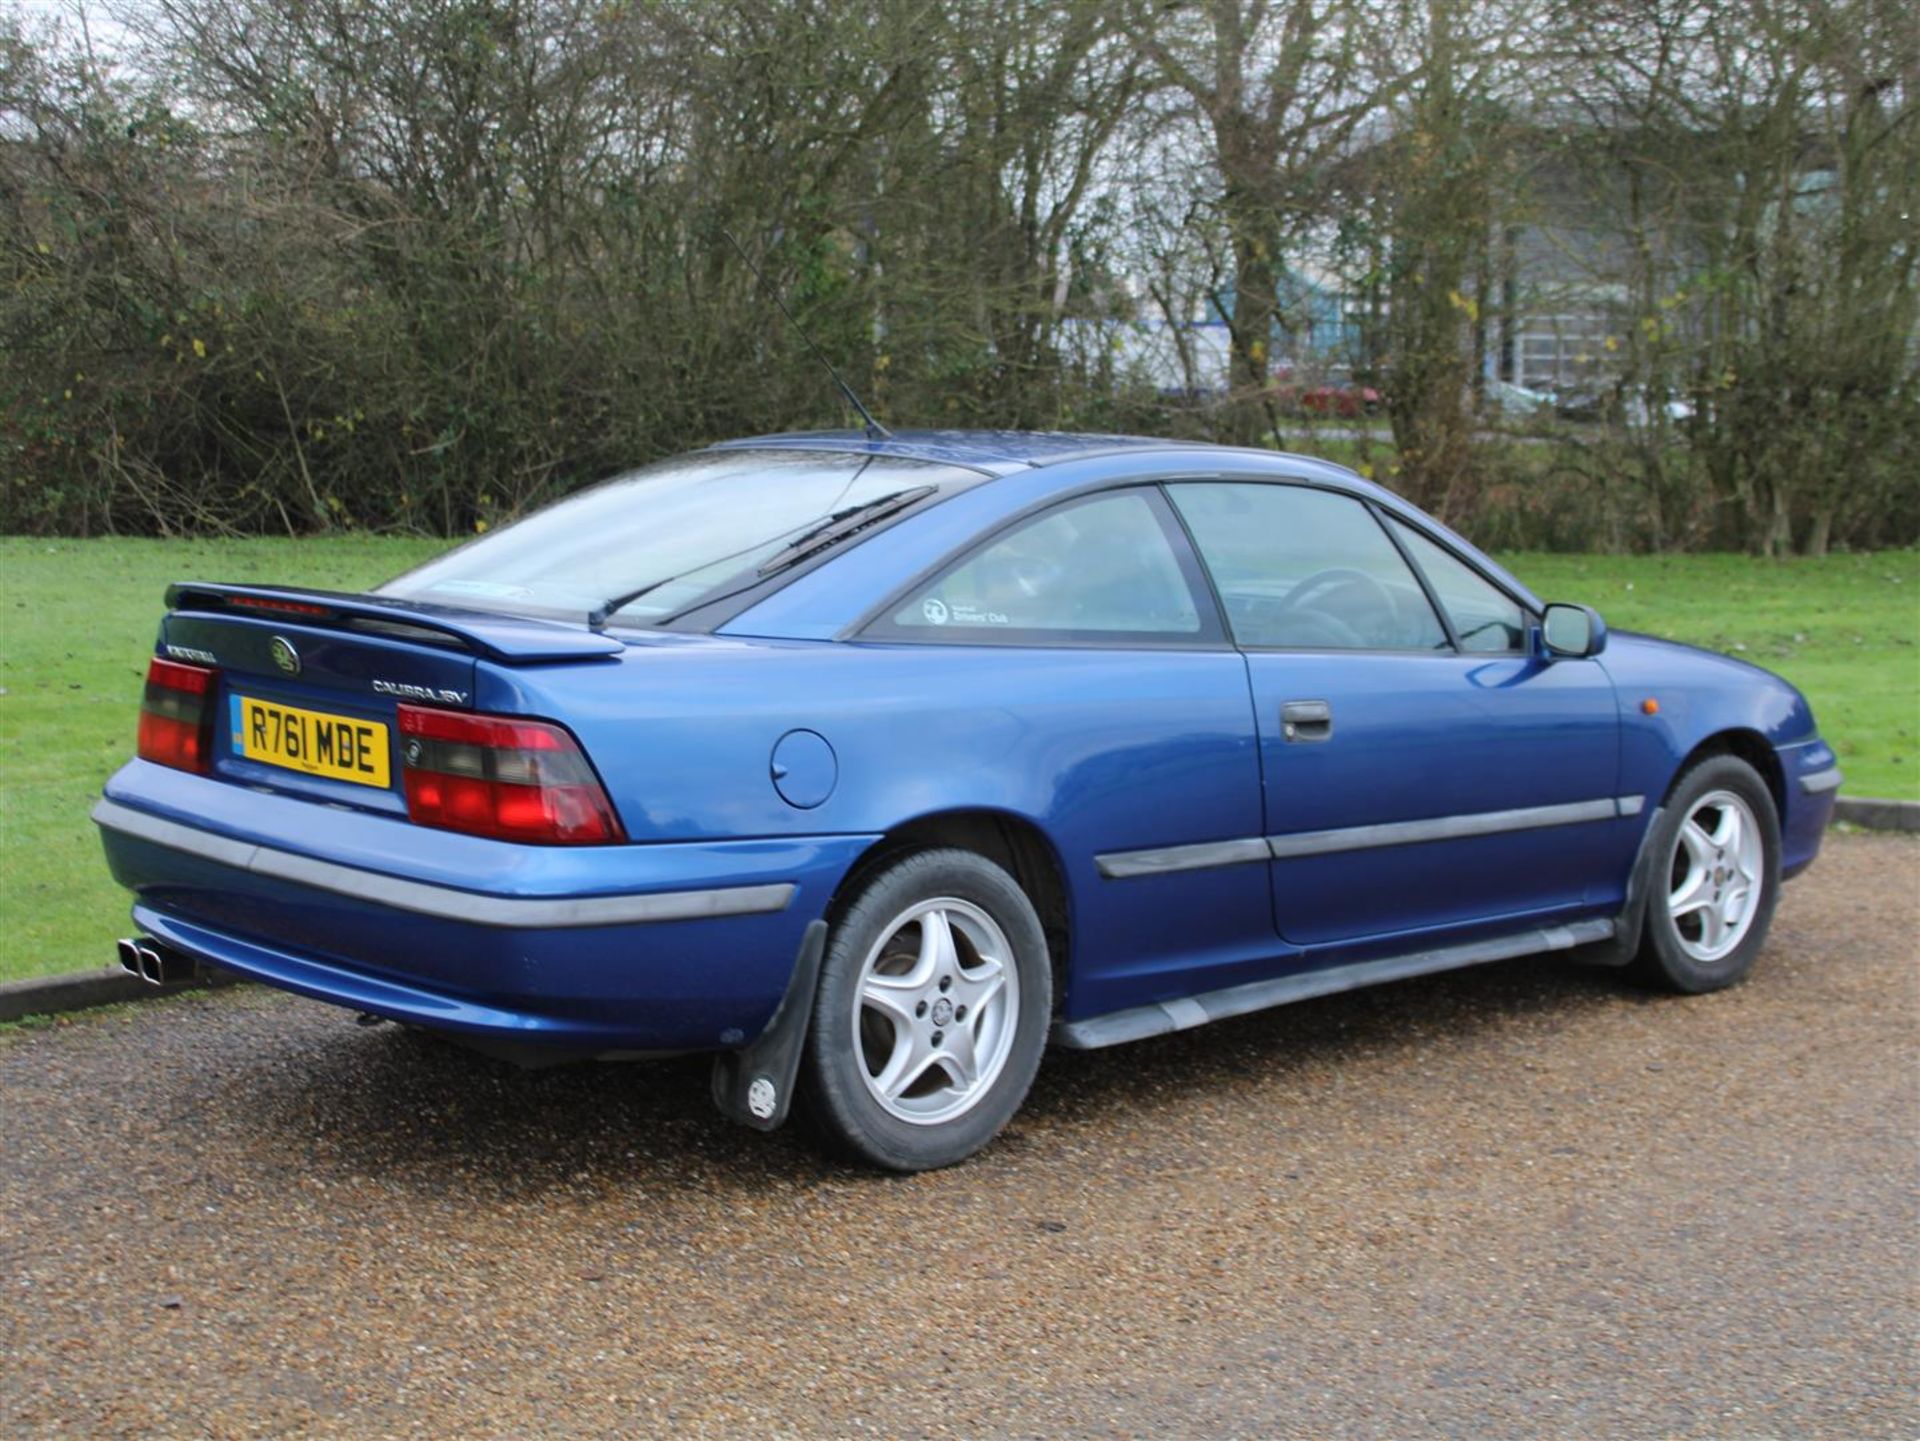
(754, 1085)
(1625, 945)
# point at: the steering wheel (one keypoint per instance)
(1263, 616)
(1331, 575)
(1334, 631)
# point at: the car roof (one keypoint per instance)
(994, 451)
(1007, 452)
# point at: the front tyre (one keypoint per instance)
(1715, 880)
(932, 1012)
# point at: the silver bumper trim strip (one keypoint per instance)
(446, 902)
(1826, 780)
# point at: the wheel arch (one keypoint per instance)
(1744, 744)
(1014, 842)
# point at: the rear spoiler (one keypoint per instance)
(509, 638)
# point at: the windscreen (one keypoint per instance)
(670, 536)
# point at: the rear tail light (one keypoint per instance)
(176, 716)
(516, 780)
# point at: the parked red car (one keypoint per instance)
(1345, 399)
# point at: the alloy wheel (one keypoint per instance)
(935, 1010)
(1716, 875)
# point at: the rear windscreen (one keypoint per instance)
(670, 536)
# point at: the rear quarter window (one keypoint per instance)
(1100, 569)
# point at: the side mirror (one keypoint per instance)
(1574, 631)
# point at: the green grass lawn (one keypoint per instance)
(77, 622)
(1844, 628)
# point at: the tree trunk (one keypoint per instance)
(1247, 162)
(1250, 405)
(1820, 536)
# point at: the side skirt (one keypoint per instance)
(1163, 1017)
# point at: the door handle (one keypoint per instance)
(1306, 720)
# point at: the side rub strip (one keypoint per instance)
(1121, 865)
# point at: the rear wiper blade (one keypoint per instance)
(597, 617)
(818, 537)
(841, 524)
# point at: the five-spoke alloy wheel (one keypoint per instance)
(935, 997)
(1716, 874)
(1715, 877)
(934, 1011)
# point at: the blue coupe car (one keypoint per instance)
(874, 765)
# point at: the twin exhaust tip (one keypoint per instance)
(154, 963)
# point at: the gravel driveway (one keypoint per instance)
(1520, 1200)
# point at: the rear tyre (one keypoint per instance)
(932, 1012)
(1714, 880)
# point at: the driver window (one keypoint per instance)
(1306, 569)
(1100, 568)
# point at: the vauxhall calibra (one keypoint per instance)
(875, 765)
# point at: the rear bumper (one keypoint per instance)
(642, 947)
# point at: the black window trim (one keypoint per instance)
(874, 627)
(1529, 618)
(1383, 519)
(1415, 523)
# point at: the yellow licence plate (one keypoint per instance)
(312, 742)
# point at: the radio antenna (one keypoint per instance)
(875, 430)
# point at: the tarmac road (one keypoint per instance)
(1522, 1200)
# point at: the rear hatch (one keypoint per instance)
(309, 683)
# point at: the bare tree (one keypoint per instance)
(1279, 90)
(423, 263)
(1764, 159)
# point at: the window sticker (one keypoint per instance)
(935, 610)
(974, 615)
